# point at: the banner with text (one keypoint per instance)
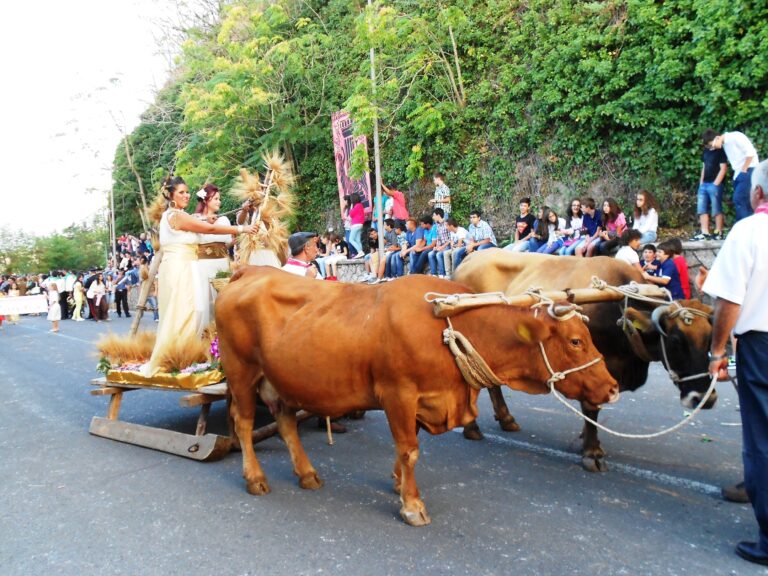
(23, 305)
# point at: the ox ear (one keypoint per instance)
(530, 330)
(639, 320)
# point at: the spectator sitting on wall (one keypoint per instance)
(630, 242)
(480, 237)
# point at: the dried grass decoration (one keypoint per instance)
(186, 364)
(274, 204)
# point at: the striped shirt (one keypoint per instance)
(481, 231)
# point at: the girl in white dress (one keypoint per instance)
(54, 309)
(213, 251)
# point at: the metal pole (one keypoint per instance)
(376, 156)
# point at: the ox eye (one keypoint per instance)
(576, 342)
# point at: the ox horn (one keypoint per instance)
(656, 318)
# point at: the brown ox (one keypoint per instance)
(686, 343)
(295, 342)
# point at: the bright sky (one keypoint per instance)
(68, 68)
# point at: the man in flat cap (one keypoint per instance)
(303, 248)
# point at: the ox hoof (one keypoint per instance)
(594, 464)
(472, 432)
(311, 481)
(508, 424)
(258, 487)
(415, 517)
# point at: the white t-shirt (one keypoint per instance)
(738, 148)
(648, 222)
(740, 273)
(460, 234)
(628, 255)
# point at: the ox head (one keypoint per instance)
(684, 331)
(569, 347)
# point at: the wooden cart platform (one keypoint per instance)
(201, 445)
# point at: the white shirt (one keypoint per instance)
(647, 222)
(297, 267)
(460, 234)
(740, 273)
(738, 148)
(628, 255)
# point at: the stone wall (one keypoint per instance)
(699, 254)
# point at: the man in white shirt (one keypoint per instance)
(743, 158)
(739, 282)
(303, 248)
(458, 238)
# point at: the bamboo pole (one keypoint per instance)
(145, 288)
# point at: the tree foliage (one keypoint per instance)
(548, 98)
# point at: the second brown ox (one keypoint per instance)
(274, 338)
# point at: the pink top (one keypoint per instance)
(399, 211)
(617, 225)
(357, 214)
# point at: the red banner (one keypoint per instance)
(343, 144)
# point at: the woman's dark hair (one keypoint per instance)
(614, 212)
(354, 199)
(542, 225)
(650, 202)
(169, 186)
(202, 203)
(571, 216)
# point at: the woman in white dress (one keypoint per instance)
(213, 251)
(180, 294)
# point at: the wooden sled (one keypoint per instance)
(200, 446)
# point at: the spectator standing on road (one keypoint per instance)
(54, 308)
(742, 155)
(121, 294)
(79, 296)
(442, 198)
(710, 195)
(739, 282)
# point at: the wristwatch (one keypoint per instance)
(715, 357)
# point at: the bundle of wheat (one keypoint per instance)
(121, 350)
(271, 210)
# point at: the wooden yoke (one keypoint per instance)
(446, 305)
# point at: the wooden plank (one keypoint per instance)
(202, 420)
(218, 389)
(108, 391)
(197, 399)
(207, 447)
(113, 411)
(271, 429)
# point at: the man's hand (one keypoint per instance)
(719, 367)
(470, 247)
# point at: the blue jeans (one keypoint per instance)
(709, 197)
(355, 234)
(321, 265)
(742, 186)
(436, 262)
(152, 301)
(551, 248)
(461, 252)
(647, 237)
(419, 261)
(752, 372)
(397, 265)
(571, 250)
(389, 266)
(521, 246)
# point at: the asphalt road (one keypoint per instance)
(519, 503)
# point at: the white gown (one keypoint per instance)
(210, 266)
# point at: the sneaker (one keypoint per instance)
(700, 236)
(717, 236)
(732, 362)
